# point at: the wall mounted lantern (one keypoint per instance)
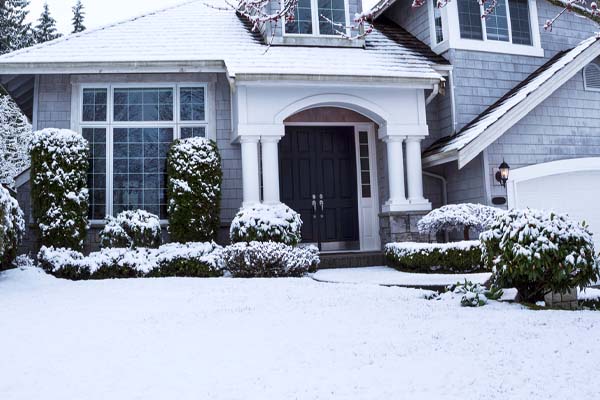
(502, 174)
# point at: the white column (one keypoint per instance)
(395, 159)
(270, 169)
(250, 177)
(414, 174)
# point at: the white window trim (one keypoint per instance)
(432, 30)
(314, 8)
(585, 84)
(77, 123)
(454, 41)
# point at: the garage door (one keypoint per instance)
(569, 186)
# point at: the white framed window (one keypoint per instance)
(512, 28)
(318, 17)
(437, 23)
(130, 128)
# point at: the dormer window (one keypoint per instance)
(509, 22)
(318, 17)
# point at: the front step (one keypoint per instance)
(352, 260)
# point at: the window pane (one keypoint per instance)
(469, 17)
(139, 173)
(94, 105)
(195, 131)
(192, 104)
(97, 172)
(335, 11)
(519, 20)
(302, 22)
(365, 169)
(437, 19)
(496, 23)
(143, 105)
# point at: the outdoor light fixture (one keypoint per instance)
(502, 174)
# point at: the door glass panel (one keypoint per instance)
(365, 168)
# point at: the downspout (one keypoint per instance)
(452, 102)
(433, 94)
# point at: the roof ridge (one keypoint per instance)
(97, 29)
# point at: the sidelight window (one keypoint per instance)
(365, 168)
(130, 131)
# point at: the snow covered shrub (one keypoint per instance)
(193, 260)
(269, 259)
(465, 217)
(539, 252)
(12, 227)
(475, 294)
(435, 257)
(264, 223)
(194, 192)
(15, 136)
(132, 229)
(59, 197)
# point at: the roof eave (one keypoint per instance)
(423, 81)
(110, 67)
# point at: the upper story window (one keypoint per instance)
(318, 17)
(437, 22)
(509, 22)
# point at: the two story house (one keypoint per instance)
(361, 137)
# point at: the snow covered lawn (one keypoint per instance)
(281, 339)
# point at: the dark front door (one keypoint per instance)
(318, 180)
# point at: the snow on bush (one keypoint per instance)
(194, 192)
(539, 252)
(12, 227)
(464, 217)
(269, 259)
(15, 136)
(132, 229)
(59, 166)
(435, 257)
(191, 260)
(263, 223)
(470, 294)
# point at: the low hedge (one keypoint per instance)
(184, 260)
(269, 260)
(436, 257)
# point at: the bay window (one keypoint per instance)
(130, 129)
(509, 22)
(318, 17)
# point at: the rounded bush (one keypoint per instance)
(269, 259)
(459, 217)
(131, 229)
(436, 257)
(59, 197)
(267, 223)
(193, 260)
(539, 252)
(12, 228)
(194, 190)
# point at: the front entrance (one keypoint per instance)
(318, 180)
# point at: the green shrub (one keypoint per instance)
(59, 198)
(193, 260)
(539, 252)
(267, 223)
(131, 229)
(269, 259)
(194, 190)
(12, 227)
(63, 263)
(435, 257)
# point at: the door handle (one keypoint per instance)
(314, 205)
(321, 204)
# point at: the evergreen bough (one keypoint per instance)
(194, 190)
(12, 227)
(131, 229)
(59, 197)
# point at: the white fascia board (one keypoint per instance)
(425, 81)
(112, 67)
(439, 159)
(514, 115)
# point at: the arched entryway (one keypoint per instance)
(328, 173)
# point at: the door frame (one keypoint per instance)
(368, 208)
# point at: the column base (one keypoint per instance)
(401, 227)
(421, 204)
(403, 207)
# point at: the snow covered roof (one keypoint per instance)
(514, 105)
(196, 37)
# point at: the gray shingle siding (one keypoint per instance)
(414, 20)
(54, 102)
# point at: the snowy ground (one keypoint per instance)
(281, 339)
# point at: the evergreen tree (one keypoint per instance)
(78, 17)
(15, 136)
(45, 30)
(15, 33)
